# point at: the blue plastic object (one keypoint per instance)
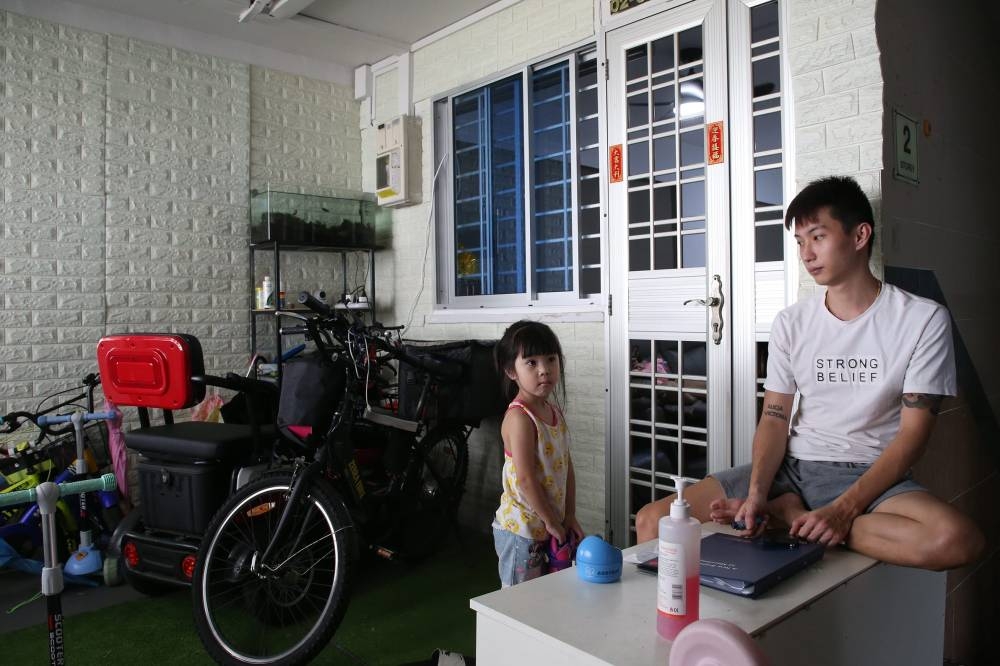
(85, 561)
(597, 561)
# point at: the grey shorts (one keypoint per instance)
(519, 558)
(817, 482)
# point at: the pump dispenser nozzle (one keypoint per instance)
(680, 509)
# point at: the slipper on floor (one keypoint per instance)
(446, 658)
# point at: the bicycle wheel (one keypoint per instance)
(247, 612)
(434, 494)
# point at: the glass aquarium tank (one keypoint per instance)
(310, 219)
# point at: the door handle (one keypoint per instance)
(715, 301)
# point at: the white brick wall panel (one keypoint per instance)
(9, 179)
(15, 248)
(865, 41)
(163, 317)
(86, 335)
(844, 20)
(870, 98)
(820, 54)
(810, 139)
(30, 266)
(201, 61)
(200, 331)
(11, 353)
(78, 235)
(16, 217)
(170, 284)
(30, 371)
(56, 284)
(188, 301)
(210, 256)
(46, 387)
(215, 317)
(126, 154)
(79, 268)
(92, 318)
(78, 301)
(193, 270)
(836, 160)
(17, 390)
(73, 371)
(125, 252)
(28, 301)
(44, 353)
(43, 200)
(14, 283)
(147, 300)
(234, 330)
(95, 284)
(115, 300)
(43, 250)
(827, 108)
(853, 75)
(30, 336)
(871, 158)
(86, 70)
(857, 129)
(800, 9)
(238, 244)
(117, 285)
(229, 270)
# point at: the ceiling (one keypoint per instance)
(342, 32)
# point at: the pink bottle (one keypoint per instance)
(677, 592)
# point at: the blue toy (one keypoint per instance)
(597, 561)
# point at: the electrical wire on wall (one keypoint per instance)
(427, 243)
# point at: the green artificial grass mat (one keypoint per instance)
(399, 612)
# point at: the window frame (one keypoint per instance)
(443, 142)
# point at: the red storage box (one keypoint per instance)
(151, 370)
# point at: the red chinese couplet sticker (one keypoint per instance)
(615, 163)
(716, 142)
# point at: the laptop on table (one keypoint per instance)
(749, 567)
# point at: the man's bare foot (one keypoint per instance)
(724, 510)
(786, 508)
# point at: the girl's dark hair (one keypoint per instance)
(527, 338)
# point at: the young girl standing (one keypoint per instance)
(539, 488)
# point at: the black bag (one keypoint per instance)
(467, 399)
(311, 390)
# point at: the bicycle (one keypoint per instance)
(26, 470)
(274, 571)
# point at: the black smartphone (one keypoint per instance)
(779, 538)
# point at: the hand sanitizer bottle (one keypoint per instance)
(267, 293)
(680, 557)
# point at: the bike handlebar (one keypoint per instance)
(109, 415)
(105, 482)
(314, 304)
(436, 367)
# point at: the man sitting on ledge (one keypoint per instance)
(871, 364)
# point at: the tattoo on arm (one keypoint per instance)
(929, 401)
(776, 410)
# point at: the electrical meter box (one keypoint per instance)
(394, 158)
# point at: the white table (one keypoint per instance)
(847, 610)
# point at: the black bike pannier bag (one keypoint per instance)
(311, 390)
(466, 399)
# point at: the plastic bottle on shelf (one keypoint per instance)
(677, 594)
(281, 295)
(267, 293)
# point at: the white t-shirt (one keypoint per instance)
(851, 375)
